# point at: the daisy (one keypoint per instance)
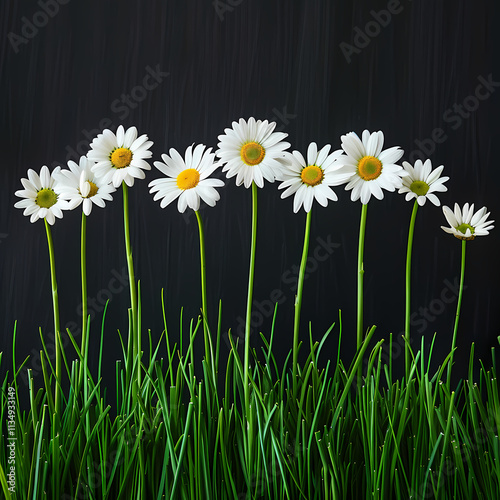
(120, 158)
(187, 179)
(311, 180)
(41, 200)
(465, 224)
(79, 185)
(422, 182)
(252, 152)
(371, 168)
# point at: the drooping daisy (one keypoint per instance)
(252, 151)
(311, 180)
(80, 185)
(187, 179)
(371, 168)
(120, 157)
(41, 200)
(422, 182)
(465, 224)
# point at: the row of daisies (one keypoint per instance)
(252, 152)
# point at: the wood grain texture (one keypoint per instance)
(278, 60)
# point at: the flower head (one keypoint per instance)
(370, 168)
(252, 152)
(41, 200)
(120, 157)
(80, 185)
(311, 180)
(422, 182)
(465, 224)
(187, 179)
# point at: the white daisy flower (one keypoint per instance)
(80, 185)
(422, 182)
(252, 152)
(311, 180)
(371, 168)
(120, 157)
(187, 179)
(41, 200)
(465, 224)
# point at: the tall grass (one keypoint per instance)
(185, 437)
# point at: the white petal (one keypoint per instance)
(45, 176)
(87, 206)
(34, 179)
(49, 216)
(458, 214)
(433, 199)
(475, 220)
(130, 137)
(312, 154)
(120, 136)
(391, 155)
(450, 216)
(298, 199)
(182, 203)
(169, 197)
(352, 145)
(434, 175)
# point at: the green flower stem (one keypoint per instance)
(249, 297)
(298, 301)
(408, 290)
(136, 340)
(57, 328)
(457, 315)
(84, 345)
(208, 344)
(84, 289)
(361, 248)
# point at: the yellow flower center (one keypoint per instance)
(463, 229)
(121, 157)
(252, 153)
(46, 197)
(188, 178)
(369, 168)
(93, 190)
(420, 188)
(312, 175)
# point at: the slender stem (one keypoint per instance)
(249, 297)
(457, 315)
(361, 249)
(298, 301)
(408, 290)
(208, 350)
(84, 288)
(57, 328)
(84, 345)
(136, 337)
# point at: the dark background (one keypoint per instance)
(319, 69)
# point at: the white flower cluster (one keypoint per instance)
(113, 158)
(252, 152)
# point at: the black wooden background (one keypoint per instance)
(423, 72)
